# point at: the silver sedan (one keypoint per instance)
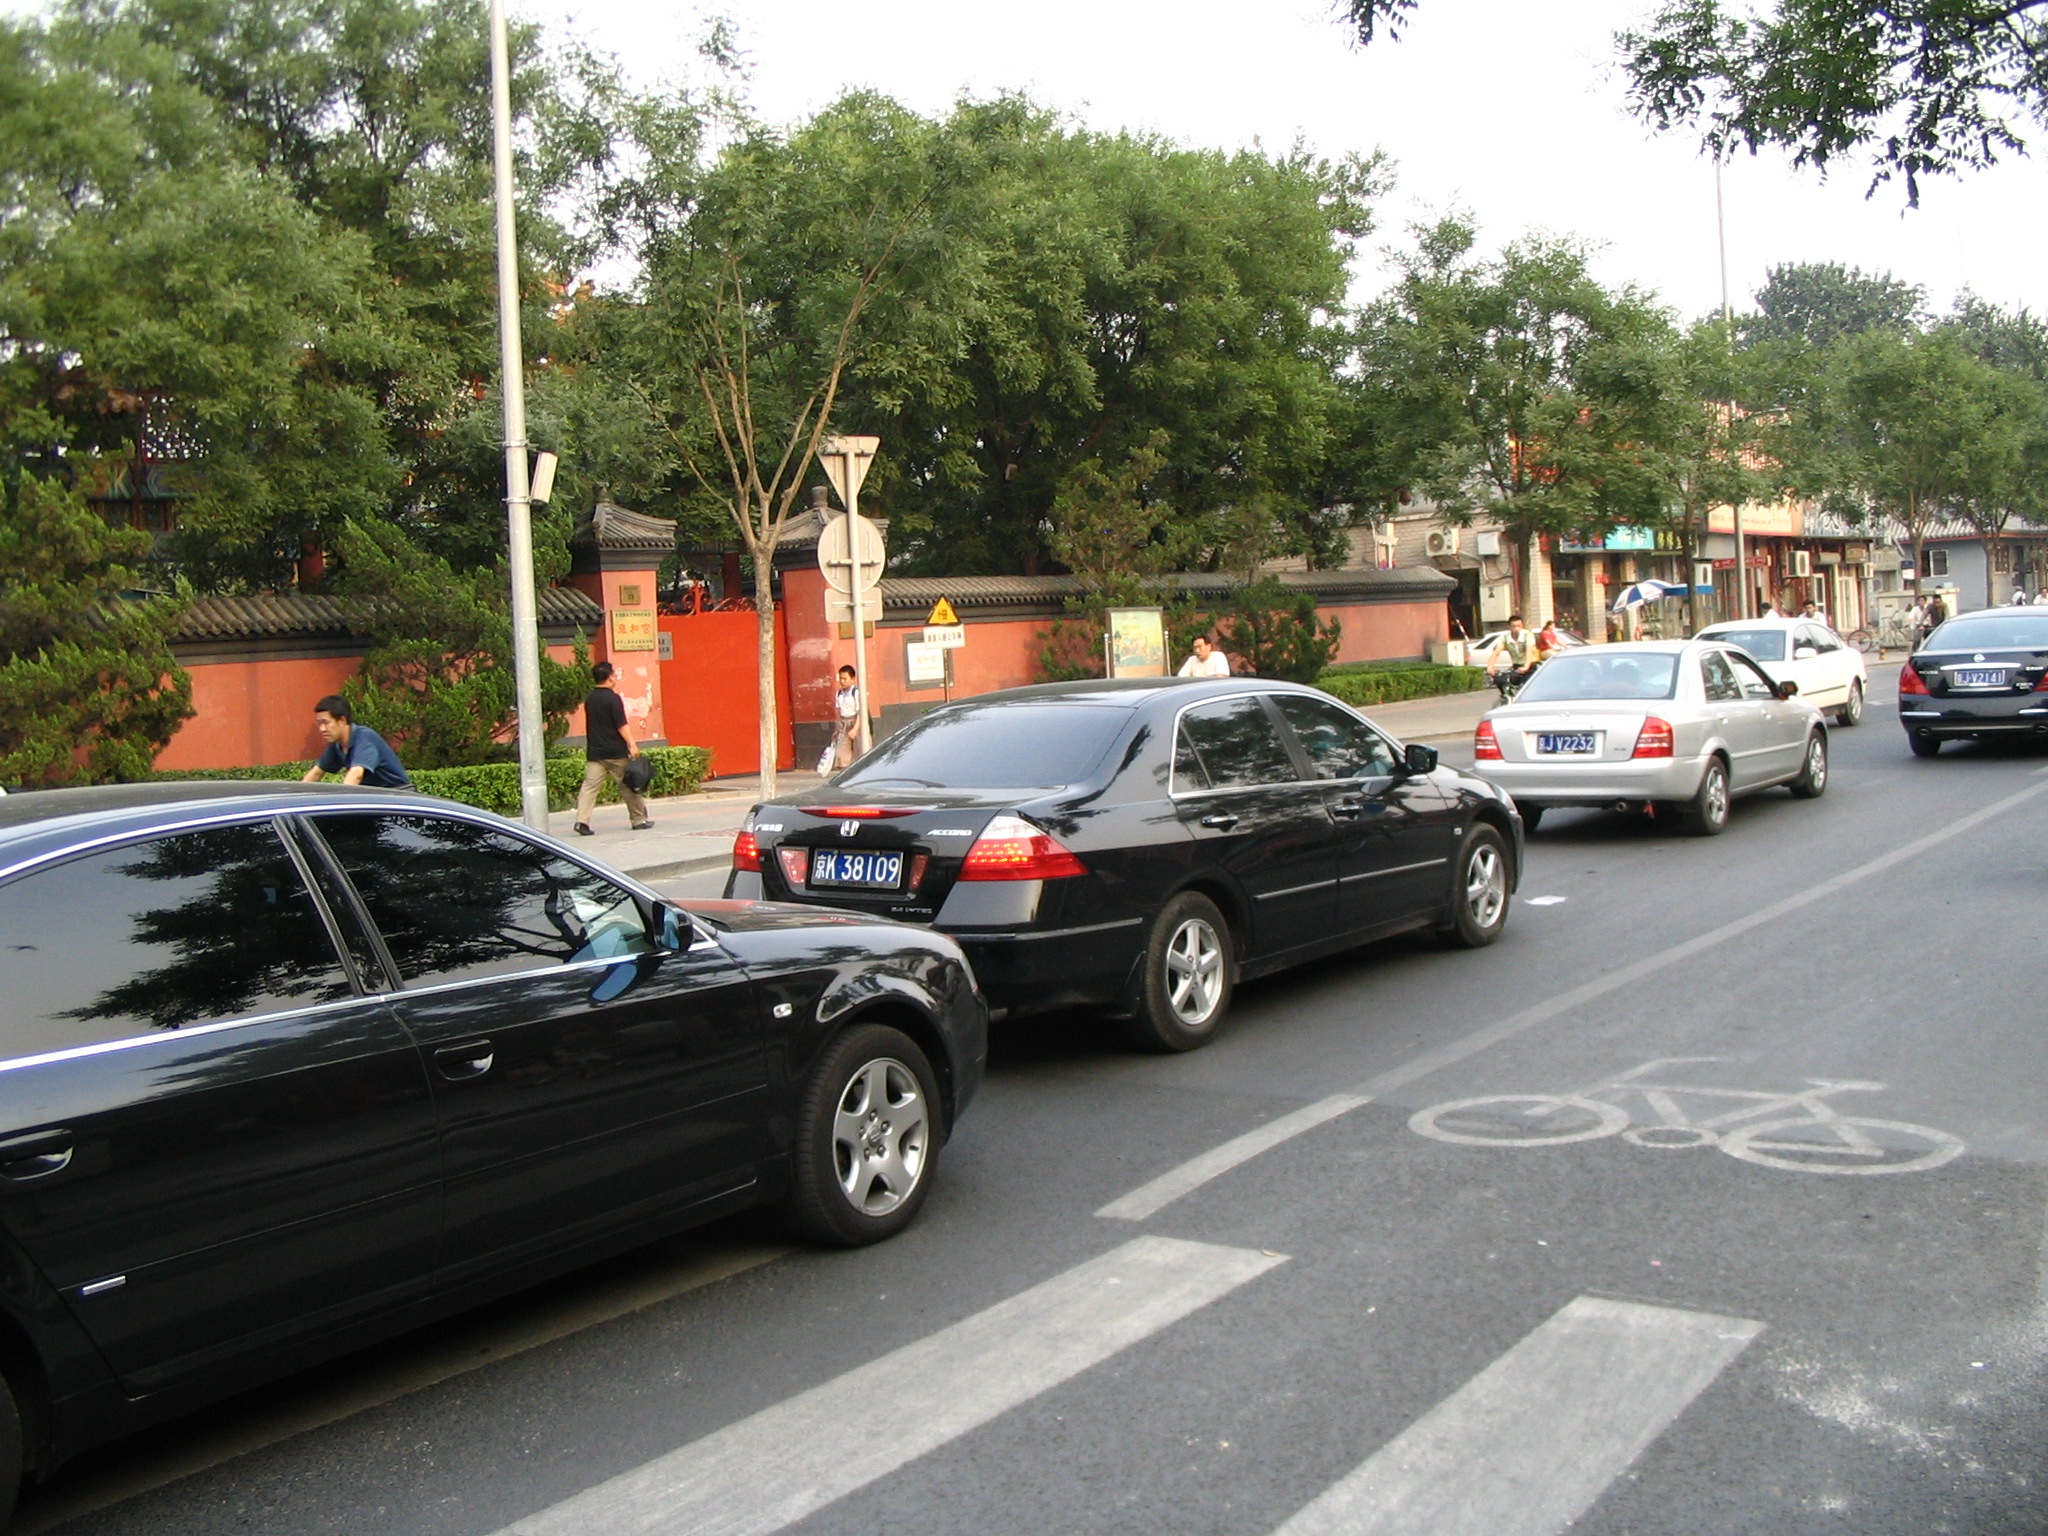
(1679, 726)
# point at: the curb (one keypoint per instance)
(677, 867)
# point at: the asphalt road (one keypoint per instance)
(1822, 1314)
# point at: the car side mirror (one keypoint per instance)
(1787, 689)
(1419, 759)
(1803, 653)
(671, 929)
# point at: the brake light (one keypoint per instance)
(1486, 745)
(1011, 848)
(1654, 739)
(1911, 681)
(2042, 685)
(746, 853)
(859, 812)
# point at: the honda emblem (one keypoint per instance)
(848, 828)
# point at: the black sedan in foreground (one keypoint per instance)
(1980, 674)
(1139, 846)
(283, 1070)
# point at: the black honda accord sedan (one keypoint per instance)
(1141, 845)
(1980, 674)
(283, 1070)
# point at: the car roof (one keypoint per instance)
(1776, 621)
(34, 822)
(1127, 692)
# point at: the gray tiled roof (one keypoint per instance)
(611, 526)
(304, 615)
(1409, 583)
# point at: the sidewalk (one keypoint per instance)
(1446, 717)
(690, 832)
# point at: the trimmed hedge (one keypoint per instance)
(495, 786)
(1374, 684)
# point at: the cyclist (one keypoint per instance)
(1514, 659)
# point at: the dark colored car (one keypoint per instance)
(1980, 674)
(286, 1070)
(1140, 845)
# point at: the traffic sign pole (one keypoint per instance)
(846, 461)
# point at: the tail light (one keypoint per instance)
(795, 866)
(1910, 681)
(1485, 745)
(2042, 685)
(1011, 848)
(746, 853)
(1654, 739)
(859, 812)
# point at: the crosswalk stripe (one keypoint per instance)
(783, 1463)
(1150, 1198)
(1527, 1445)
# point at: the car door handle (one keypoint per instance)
(1348, 809)
(458, 1063)
(1222, 821)
(35, 1157)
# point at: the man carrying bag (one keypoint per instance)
(608, 744)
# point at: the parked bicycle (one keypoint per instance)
(1817, 1138)
(1894, 634)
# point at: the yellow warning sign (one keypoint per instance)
(942, 613)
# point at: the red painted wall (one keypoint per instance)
(711, 694)
(256, 712)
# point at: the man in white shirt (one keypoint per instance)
(1207, 660)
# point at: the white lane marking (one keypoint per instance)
(1568, 1002)
(1527, 1445)
(1149, 1198)
(785, 1462)
(1545, 901)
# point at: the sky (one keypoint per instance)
(1512, 111)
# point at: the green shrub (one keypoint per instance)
(495, 786)
(1391, 684)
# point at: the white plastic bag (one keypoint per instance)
(825, 759)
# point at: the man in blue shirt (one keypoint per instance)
(354, 751)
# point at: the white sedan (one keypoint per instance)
(1830, 672)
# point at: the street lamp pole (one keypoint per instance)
(533, 785)
(1728, 329)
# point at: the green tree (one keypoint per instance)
(1913, 87)
(89, 690)
(1818, 303)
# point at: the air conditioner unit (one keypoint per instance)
(1442, 542)
(1486, 545)
(1802, 563)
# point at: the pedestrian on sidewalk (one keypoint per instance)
(609, 745)
(845, 720)
(1206, 660)
(354, 751)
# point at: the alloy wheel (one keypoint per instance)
(881, 1136)
(1486, 885)
(1194, 971)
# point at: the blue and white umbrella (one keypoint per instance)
(1650, 591)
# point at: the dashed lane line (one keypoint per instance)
(1525, 1447)
(785, 1462)
(1149, 1198)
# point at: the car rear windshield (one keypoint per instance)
(994, 746)
(1763, 644)
(1992, 632)
(1580, 675)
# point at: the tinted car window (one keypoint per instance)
(1340, 745)
(994, 746)
(1755, 683)
(456, 900)
(1764, 644)
(2003, 632)
(1822, 640)
(1598, 675)
(1237, 743)
(198, 928)
(1722, 688)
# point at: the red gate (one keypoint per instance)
(709, 692)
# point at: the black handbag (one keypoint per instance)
(638, 775)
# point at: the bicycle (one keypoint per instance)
(1895, 634)
(1836, 1143)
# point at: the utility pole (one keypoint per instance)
(533, 783)
(1728, 329)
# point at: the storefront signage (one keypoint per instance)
(1617, 539)
(633, 629)
(1780, 519)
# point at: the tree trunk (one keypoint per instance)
(763, 556)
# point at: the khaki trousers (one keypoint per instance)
(594, 774)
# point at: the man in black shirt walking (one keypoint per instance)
(608, 743)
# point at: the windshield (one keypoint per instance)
(1992, 632)
(1763, 644)
(994, 746)
(1592, 675)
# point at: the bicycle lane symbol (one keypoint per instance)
(1799, 1129)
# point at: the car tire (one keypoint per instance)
(1706, 813)
(1190, 970)
(13, 1451)
(1812, 782)
(1532, 817)
(1480, 880)
(1851, 712)
(1925, 746)
(868, 1126)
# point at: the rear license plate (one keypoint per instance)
(1567, 743)
(870, 871)
(1980, 677)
